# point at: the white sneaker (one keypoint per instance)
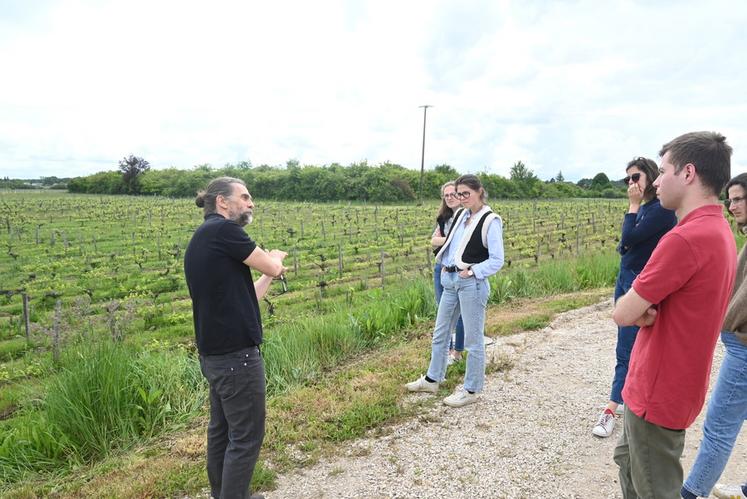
(487, 340)
(421, 385)
(605, 425)
(620, 410)
(728, 491)
(460, 398)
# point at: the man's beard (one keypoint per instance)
(244, 218)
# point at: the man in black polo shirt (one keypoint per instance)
(228, 331)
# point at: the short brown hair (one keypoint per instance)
(707, 151)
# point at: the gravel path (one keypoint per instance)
(529, 435)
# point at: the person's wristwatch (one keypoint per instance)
(469, 272)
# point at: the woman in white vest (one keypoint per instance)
(473, 251)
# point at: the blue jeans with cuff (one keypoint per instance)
(467, 296)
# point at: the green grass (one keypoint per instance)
(112, 398)
(555, 277)
(108, 396)
(299, 352)
(532, 315)
(534, 322)
(15, 396)
(13, 348)
(573, 302)
(105, 397)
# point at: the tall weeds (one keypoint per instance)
(107, 396)
(553, 277)
(299, 352)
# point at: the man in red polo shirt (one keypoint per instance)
(679, 300)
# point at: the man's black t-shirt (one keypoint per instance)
(224, 303)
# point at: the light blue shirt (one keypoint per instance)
(494, 262)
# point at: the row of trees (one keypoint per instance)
(39, 183)
(386, 182)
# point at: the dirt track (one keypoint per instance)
(530, 435)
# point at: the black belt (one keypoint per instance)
(236, 353)
(451, 268)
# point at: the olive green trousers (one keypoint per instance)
(649, 459)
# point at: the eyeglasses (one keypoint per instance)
(736, 200)
(635, 177)
(463, 194)
(451, 195)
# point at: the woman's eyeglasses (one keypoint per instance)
(460, 195)
(739, 199)
(635, 178)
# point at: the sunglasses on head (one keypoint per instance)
(635, 178)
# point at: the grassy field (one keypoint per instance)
(109, 308)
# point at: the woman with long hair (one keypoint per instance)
(472, 252)
(644, 224)
(727, 408)
(449, 208)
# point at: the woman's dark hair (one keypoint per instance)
(445, 213)
(647, 166)
(220, 186)
(473, 183)
(740, 180)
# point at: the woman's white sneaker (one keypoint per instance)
(605, 424)
(460, 398)
(728, 491)
(422, 385)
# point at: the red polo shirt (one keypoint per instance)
(690, 277)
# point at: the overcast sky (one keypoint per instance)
(577, 87)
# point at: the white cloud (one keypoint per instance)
(580, 87)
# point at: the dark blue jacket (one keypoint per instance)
(641, 233)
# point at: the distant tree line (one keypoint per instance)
(37, 183)
(382, 183)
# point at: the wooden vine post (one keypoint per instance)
(381, 268)
(56, 331)
(26, 318)
(339, 259)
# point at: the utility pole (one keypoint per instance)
(422, 154)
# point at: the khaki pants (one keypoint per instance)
(649, 459)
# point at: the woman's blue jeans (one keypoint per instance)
(468, 296)
(727, 410)
(458, 343)
(625, 338)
